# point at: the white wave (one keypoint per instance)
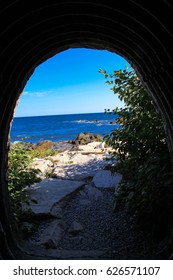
(85, 121)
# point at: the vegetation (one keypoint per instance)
(20, 171)
(41, 153)
(140, 145)
(20, 175)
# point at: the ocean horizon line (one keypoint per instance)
(58, 115)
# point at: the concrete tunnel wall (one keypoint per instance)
(31, 32)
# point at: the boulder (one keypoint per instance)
(56, 212)
(95, 147)
(44, 165)
(75, 227)
(44, 146)
(92, 192)
(60, 158)
(46, 194)
(106, 179)
(52, 234)
(85, 138)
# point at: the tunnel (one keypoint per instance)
(32, 32)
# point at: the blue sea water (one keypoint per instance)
(60, 127)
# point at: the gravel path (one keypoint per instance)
(115, 233)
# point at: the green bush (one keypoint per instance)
(140, 144)
(41, 154)
(20, 174)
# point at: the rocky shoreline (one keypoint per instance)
(69, 157)
(81, 139)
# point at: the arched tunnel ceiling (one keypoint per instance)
(34, 32)
(31, 32)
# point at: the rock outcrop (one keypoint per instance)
(85, 138)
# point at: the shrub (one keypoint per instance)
(41, 153)
(140, 144)
(20, 175)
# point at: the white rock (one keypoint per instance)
(95, 147)
(48, 193)
(89, 146)
(80, 166)
(105, 179)
(92, 192)
(80, 159)
(63, 157)
(44, 165)
(80, 170)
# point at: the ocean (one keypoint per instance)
(60, 127)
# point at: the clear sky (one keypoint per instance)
(69, 83)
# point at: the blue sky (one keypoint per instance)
(69, 83)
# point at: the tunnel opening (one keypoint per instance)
(72, 241)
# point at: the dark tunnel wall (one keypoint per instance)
(31, 32)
